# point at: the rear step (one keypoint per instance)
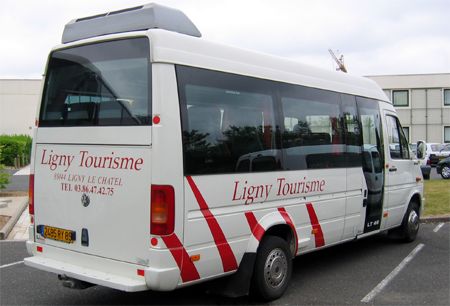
(86, 275)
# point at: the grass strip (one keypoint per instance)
(437, 196)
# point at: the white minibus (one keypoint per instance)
(162, 160)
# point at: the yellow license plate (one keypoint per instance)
(59, 234)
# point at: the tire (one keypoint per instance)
(273, 269)
(411, 223)
(445, 172)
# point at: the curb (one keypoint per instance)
(434, 219)
(14, 218)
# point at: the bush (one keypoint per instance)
(16, 150)
(4, 177)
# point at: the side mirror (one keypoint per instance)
(421, 149)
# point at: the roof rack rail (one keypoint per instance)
(144, 17)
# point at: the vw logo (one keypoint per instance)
(85, 200)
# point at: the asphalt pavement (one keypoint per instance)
(434, 175)
(16, 182)
(340, 275)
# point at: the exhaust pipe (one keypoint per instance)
(73, 283)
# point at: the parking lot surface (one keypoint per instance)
(344, 274)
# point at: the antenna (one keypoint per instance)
(339, 61)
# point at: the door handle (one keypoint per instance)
(393, 169)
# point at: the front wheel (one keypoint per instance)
(445, 172)
(411, 222)
(273, 269)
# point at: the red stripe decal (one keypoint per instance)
(187, 268)
(255, 227)
(289, 221)
(317, 229)
(226, 254)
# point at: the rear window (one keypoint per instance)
(105, 84)
(436, 147)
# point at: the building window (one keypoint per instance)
(406, 132)
(447, 134)
(400, 97)
(447, 97)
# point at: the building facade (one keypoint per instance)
(422, 102)
(18, 103)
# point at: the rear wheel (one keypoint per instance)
(445, 172)
(273, 269)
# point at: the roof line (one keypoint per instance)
(19, 79)
(408, 74)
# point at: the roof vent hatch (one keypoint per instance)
(144, 17)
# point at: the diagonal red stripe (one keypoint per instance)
(255, 227)
(187, 268)
(289, 221)
(318, 234)
(226, 254)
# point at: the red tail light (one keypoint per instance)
(428, 162)
(162, 210)
(31, 196)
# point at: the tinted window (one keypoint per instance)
(352, 131)
(232, 123)
(228, 122)
(105, 83)
(312, 132)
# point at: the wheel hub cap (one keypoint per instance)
(413, 220)
(446, 171)
(275, 269)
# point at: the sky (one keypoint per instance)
(376, 37)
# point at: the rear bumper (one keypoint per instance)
(115, 281)
(101, 271)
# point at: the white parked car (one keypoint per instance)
(432, 153)
(442, 154)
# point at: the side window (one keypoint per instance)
(372, 145)
(403, 141)
(228, 122)
(312, 135)
(352, 131)
(398, 145)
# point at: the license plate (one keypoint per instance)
(59, 234)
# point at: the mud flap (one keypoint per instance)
(238, 284)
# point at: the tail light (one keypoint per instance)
(31, 197)
(162, 210)
(428, 162)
